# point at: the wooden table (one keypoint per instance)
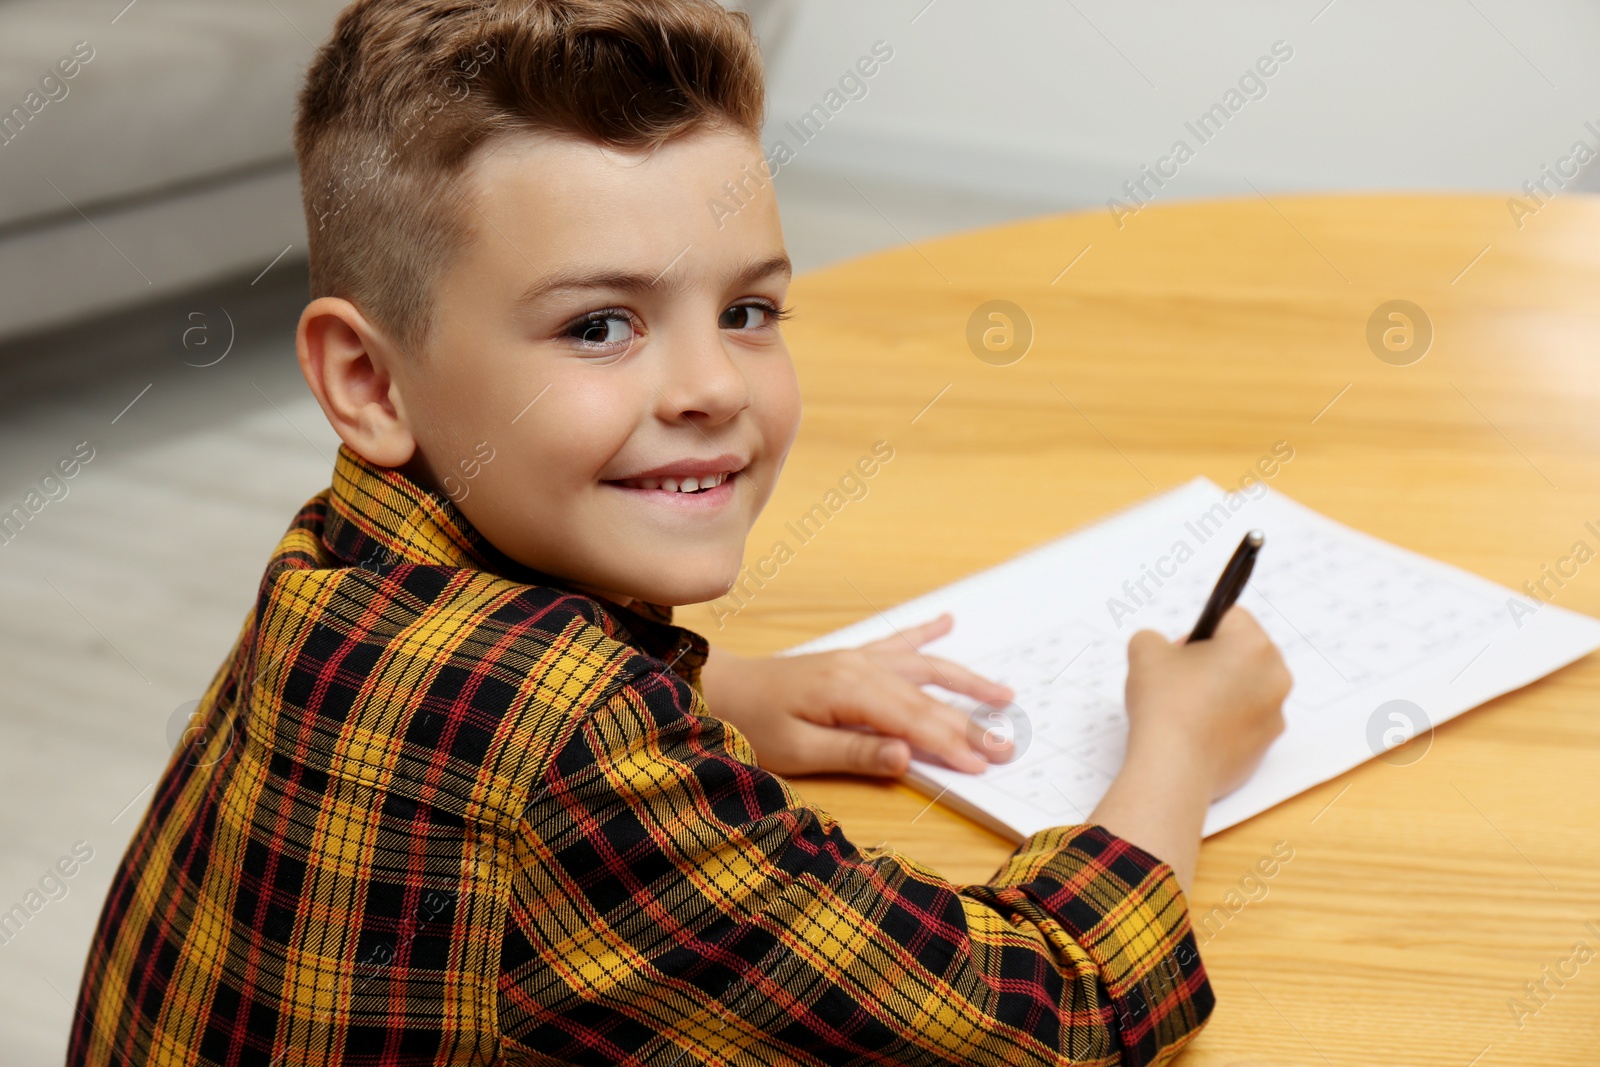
(1420, 898)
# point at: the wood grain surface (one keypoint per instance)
(1421, 898)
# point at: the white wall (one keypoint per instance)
(1063, 100)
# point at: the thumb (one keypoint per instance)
(856, 752)
(1144, 644)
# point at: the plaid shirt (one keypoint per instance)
(442, 809)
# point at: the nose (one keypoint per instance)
(701, 379)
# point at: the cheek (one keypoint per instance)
(775, 396)
(579, 424)
(548, 455)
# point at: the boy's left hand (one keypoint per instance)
(803, 713)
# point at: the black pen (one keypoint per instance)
(1229, 586)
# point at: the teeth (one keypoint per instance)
(678, 485)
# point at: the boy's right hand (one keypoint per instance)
(1217, 703)
(1200, 717)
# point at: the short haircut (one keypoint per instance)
(402, 93)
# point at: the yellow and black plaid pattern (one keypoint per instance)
(447, 810)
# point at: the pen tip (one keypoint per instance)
(1256, 538)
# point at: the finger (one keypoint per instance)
(824, 749)
(1240, 619)
(893, 707)
(930, 725)
(889, 703)
(917, 635)
(935, 670)
(991, 733)
(1144, 644)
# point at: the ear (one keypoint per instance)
(349, 365)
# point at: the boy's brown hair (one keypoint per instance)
(404, 90)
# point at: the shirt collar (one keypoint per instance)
(379, 518)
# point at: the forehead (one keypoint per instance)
(550, 202)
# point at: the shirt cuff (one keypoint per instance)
(1123, 908)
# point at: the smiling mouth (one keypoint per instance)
(677, 485)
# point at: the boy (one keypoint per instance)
(465, 794)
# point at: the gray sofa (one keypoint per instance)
(145, 146)
(145, 149)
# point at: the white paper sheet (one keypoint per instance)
(1361, 623)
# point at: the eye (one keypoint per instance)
(608, 329)
(754, 315)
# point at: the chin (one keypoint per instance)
(680, 582)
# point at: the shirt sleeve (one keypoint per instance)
(672, 903)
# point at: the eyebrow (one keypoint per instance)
(638, 282)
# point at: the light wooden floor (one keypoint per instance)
(121, 599)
